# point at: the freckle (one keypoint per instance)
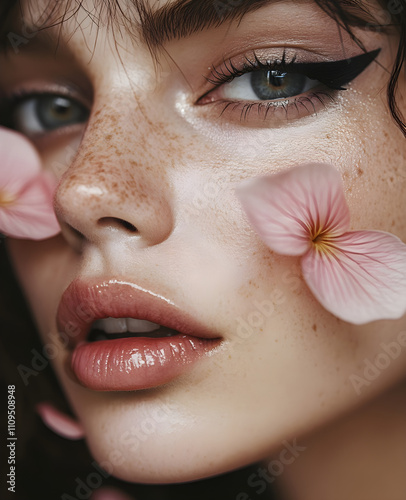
(360, 171)
(108, 137)
(89, 156)
(314, 327)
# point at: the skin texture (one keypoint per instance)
(152, 156)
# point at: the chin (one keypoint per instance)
(163, 465)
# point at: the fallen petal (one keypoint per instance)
(287, 208)
(362, 279)
(59, 422)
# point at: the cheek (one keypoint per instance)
(59, 154)
(42, 268)
(306, 356)
(375, 169)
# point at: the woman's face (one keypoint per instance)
(156, 155)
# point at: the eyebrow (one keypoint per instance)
(186, 17)
(183, 18)
(175, 20)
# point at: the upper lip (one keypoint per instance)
(83, 302)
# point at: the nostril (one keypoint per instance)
(116, 223)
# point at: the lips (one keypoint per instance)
(128, 360)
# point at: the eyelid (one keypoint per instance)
(333, 74)
(26, 91)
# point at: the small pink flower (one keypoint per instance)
(26, 192)
(359, 276)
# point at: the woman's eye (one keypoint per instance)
(281, 86)
(44, 113)
(267, 85)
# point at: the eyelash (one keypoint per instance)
(264, 108)
(230, 71)
(341, 75)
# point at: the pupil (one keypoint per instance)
(55, 111)
(61, 107)
(275, 84)
(275, 78)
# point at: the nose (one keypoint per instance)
(108, 195)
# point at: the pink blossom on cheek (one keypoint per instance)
(26, 192)
(359, 276)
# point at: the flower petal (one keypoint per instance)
(32, 216)
(59, 422)
(109, 493)
(285, 208)
(363, 279)
(19, 161)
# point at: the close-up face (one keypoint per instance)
(150, 118)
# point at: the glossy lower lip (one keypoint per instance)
(128, 363)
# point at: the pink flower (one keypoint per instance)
(359, 276)
(26, 192)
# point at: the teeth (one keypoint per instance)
(123, 325)
(140, 325)
(111, 325)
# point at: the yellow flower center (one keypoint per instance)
(322, 241)
(6, 198)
